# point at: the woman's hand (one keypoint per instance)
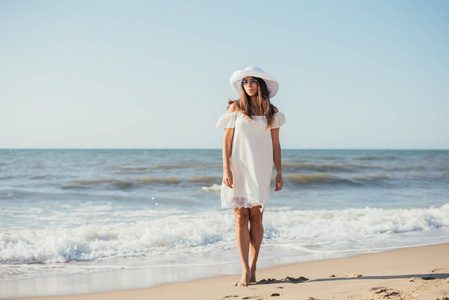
(228, 179)
(279, 182)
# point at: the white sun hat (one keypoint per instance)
(237, 76)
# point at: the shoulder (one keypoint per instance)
(232, 107)
(275, 109)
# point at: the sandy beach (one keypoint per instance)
(409, 273)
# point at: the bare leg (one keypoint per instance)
(256, 236)
(243, 240)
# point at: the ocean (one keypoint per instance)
(155, 216)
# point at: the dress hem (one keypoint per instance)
(242, 202)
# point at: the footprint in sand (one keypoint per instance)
(387, 293)
(355, 275)
(261, 297)
(286, 279)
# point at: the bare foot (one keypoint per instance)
(244, 280)
(252, 278)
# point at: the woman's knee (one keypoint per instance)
(241, 216)
(256, 216)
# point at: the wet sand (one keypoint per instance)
(409, 273)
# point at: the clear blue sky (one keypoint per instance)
(154, 74)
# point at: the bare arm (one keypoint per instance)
(227, 149)
(277, 158)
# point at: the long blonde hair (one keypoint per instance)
(263, 102)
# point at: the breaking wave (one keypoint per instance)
(213, 231)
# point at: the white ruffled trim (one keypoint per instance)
(227, 120)
(242, 202)
(279, 120)
(230, 201)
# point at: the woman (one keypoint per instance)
(250, 146)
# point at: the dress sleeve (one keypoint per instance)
(279, 120)
(226, 121)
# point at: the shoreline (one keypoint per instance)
(407, 273)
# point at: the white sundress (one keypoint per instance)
(251, 159)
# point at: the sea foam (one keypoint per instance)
(212, 231)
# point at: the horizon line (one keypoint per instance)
(334, 149)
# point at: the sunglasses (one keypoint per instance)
(251, 81)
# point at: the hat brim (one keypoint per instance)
(237, 76)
